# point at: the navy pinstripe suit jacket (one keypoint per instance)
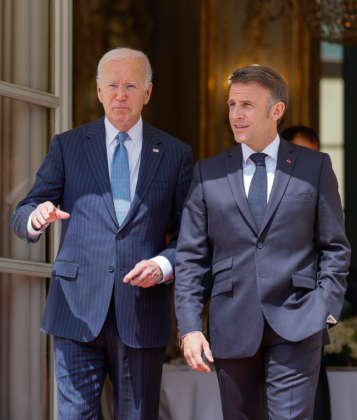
(75, 175)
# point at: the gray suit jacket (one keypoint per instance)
(270, 273)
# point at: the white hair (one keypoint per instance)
(125, 54)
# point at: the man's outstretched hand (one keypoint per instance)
(46, 213)
(145, 274)
(193, 345)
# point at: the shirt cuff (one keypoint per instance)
(166, 268)
(31, 232)
(331, 320)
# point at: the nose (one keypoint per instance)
(121, 95)
(236, 113)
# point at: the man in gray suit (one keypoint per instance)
(257, 215)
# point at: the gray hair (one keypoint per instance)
(125, 54)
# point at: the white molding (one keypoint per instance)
(63, 46)
(62, 78)
(29, 95)
(27, 268)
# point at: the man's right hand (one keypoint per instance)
(193, 345)
(46, 213)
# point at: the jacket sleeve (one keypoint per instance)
(193, 259)
(183, 183)
(331, 242)
(47, 187)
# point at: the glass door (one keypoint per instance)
(35, 103)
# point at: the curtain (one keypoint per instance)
(24, 58)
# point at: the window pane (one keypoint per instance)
(23, 349)
(331, 111)
(24, 43)
(23, 134)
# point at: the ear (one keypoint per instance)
(277, 111)
(99, 92)
(148, 94)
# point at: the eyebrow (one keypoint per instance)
(246, 101)
(110, 82)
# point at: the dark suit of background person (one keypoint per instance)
(102, 324)
(305, 136)
(269, 307)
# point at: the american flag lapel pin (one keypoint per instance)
(156, 150)
(289, 161)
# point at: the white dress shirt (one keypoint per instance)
(270, 163)
(133, 145)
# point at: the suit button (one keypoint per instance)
(111, 269)
(119, 236)
(260, 245)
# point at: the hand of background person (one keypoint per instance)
(145, 274)
(46, 213)
(193, 345)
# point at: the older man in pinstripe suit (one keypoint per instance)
(119, 182)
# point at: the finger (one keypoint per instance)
(51, 209)
(208, 352)
(132, 274)
(44, 213)
(35, 223)
(62, 214)
(40, 217)
(146, 284)
(141, 281)
(190, 360)
(144, 277)
(201, 366)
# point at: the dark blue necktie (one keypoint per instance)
(257, 196)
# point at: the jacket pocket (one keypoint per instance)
(303, 280)
(222, 286)
(306, 196)
(65, 269)
(223, 264)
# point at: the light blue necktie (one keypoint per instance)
(257, 196)
(121, 179)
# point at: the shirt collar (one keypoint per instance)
(135, 132)
(271, 150)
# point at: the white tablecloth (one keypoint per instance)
(189, 395)
(343, 393)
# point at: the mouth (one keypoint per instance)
(240, 126)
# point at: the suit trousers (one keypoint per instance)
(277, 383)
(81, 369)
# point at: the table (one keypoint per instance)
(189, 395)
(343, 393)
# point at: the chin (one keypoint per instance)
(120, 118)
(240, 140)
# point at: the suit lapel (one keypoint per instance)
(284, 168)
(96, 151)
(234, 167)
(149, 163)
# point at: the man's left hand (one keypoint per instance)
(145, 274)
